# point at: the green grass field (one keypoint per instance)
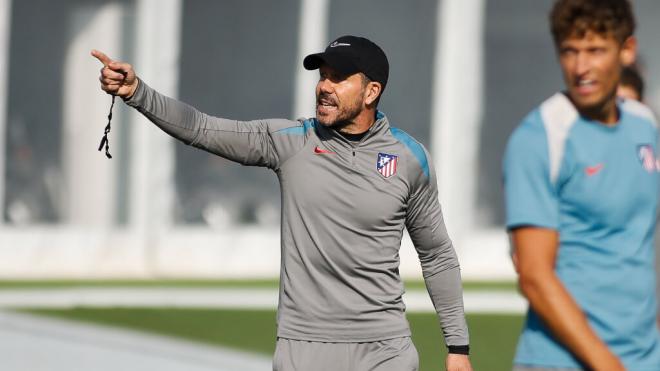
(493, 337)
(249, 283)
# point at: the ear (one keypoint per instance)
(628, 53)
(372, 92)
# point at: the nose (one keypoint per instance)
(325, 85)
(582, 64)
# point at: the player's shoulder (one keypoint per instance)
(558, 114)
(549, 121)
(301, 126)
(414, 147)
(638, 110)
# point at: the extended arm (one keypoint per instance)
(535, 251)
(259, 142)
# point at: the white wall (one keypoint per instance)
(92, 245)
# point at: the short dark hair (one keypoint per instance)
(630, 76)
(365, 81)
(576, 17)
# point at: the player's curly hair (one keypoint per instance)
(575, 17)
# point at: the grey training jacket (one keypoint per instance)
(342, 219)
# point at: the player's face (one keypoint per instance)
(592, 69)
(339, 99)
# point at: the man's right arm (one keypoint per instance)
(259, 143)
(534, 255)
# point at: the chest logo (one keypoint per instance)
(593, 170)
(646, 156)
(320, 151)
(386, 164)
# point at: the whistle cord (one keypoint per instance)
(105, 141)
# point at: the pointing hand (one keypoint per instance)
(117, 78)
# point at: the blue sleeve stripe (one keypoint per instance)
(297, 130)
(309, 124)
(415, 148)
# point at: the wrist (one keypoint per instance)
(458, 349)
(134, 88)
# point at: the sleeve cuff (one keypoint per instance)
(133, 100)
(458, 349)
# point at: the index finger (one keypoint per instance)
(101, 57)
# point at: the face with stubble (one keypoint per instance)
(339, 98)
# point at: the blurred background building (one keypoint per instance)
(463, 74)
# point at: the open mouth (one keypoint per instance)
(325, 105)
(586, 86)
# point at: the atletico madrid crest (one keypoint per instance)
(386, 164)
(647, 157)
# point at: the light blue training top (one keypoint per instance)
(597, 186)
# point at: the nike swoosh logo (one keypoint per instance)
(593, 170)
(320, 151)
(336, 44)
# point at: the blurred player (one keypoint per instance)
(631, 85)
(350, 183)
(581, 186)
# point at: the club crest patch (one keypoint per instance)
(386, 164)
(647, 157)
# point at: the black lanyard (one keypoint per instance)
(105, 140)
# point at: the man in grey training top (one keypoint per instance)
(350, 183)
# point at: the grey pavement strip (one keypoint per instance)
(235, 298)
(42, 344)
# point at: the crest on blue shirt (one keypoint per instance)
(386, 164)
(647, 157)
